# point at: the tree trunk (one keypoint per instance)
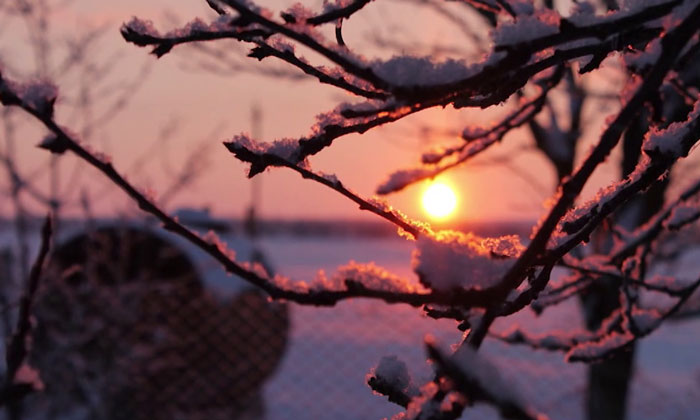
(609, 381)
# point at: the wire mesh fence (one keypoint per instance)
(126, 326)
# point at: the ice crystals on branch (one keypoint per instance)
(370, 276)
(198, 26)
(40, 96)
(401, 178)
(422, 71)
(297, 13)
(670, 142)
(449, 260)
(143, 33)
(284, 148)
(352, 275)
(142, 27)
(526, 27)
(596, 350)
(579, 216)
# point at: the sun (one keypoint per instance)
(439, 200)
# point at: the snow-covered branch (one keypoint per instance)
(478, 380)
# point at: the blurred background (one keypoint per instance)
(149, 327)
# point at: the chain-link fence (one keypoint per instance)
(128, 325)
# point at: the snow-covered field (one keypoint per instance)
(332, 349)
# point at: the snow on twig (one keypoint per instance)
(447, 260)
(479, 380)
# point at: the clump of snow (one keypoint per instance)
(594, 350)
(671, 283)
(139, 30)
(387, 208)
(299, 12)
(279, 43)
(332, 178)
(558, 340)
(641, 60)
(404, 177)
(401, 178)
(669, 143)
(141, 27)
(644, 321)
(222, 23)
(284, 148)
(526, 28)
(328, 118)
(337, 117)
(522, 7)
(447, 259)
(577, 217)
(422, 71)
(212, 238)
(38, 95)
(28, 375)
(393, 371)
(436, 154)
(369, 275)
(330, 6)
(424, 404)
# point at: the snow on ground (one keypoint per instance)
(331, 350)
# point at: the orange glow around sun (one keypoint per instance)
(439, 200)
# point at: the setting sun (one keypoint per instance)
(439, 200)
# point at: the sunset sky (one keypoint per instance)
(198, 109)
